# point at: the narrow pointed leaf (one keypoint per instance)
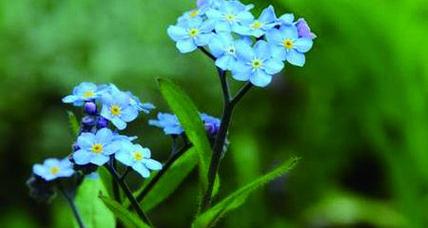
(189, 118)
(121, 213)
(237, 199)
(74, 124)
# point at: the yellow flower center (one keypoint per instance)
(88, 94)
(193, 32)
(287, 43)
(230, 17)
(54, 170)
(138, 156)
(115, 110)
(256, 64)
(256, 25)
(97, 148)
(194, 13)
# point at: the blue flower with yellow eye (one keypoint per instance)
(191, 34)
(169, 123)
(85, 91)
(223, 47)
(256, 64)
(229, 15)
(133, 100)
(258, 27)
(286, 45)
(96, 148)
(118, 108)
(137, 157)
(53, 168)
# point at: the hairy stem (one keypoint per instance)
(73, 207)
(129, 195)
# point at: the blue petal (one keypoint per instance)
(70, 99)
(173, 130)
(216, 46)
(152, 164)
(65, 173)
(287, 19)
(274, 37)
(222, 27)
(82, 157)
(112, 148)
(303, 45)
(203, 39)
(262, 50)
(186, 46)
(119, 123)
(99, 159)
(177, 33)
(214, 14)
(225, 62)
(104, 136)
(141, 169)
(279, 52)
(273, 66)
(260, 78)
(39, 170)
(245, 17)
(146, 152)
(129, 114)
(85, 140)
(268, 15)
(125, 158)
(244, 51)
(289, 32)
(241, 74)
(296, 58)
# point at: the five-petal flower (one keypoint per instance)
(53, 168)
(137, 157)
(118, 108)
(85, 91)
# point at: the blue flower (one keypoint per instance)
(286, 45)
(256, 64)
(303, 29)
(169, 123)
(134, 100)
(137, 157)
(85, 91)
(118, 108)
(223, 47)
(229, 15)
(258, 27)
(96, 148)
(212, 124)
(191, 34)
(53, 168)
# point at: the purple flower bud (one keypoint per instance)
(88, 121)
(102, 122)
(211, 128)
(91, 108)
(304, 30)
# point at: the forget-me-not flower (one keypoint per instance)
(85, 91)
(286, 45)
(191, 34)
(96, 148)
(133, 100)
(137, 157)
(258, 27)
(117, 107)
(229, 16)
(223, 47)
(256, 64)
(169, 123)
(53, 168)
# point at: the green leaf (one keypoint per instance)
(74, 124)
(106, 178)
(170, 180)
(189, 118)
(236, 199)
(94, 212)
(129, 219)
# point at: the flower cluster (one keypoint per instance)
(97, 142)
(253, 49)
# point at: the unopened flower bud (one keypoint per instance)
(91, 108)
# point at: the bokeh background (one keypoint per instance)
(357, 113)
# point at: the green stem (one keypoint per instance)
(73, 207)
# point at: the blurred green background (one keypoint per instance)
(357, 113)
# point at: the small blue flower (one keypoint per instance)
(258, 27)
(169, 123)
(286, 44)
(85, 91)
(53, 168)
(212, 124)
(256, 64)
(229, 16)
(134, 100)
(303, 29)
(96, 148)
(223, 47)
(117, 107)
(191, 34)
(137, 157)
